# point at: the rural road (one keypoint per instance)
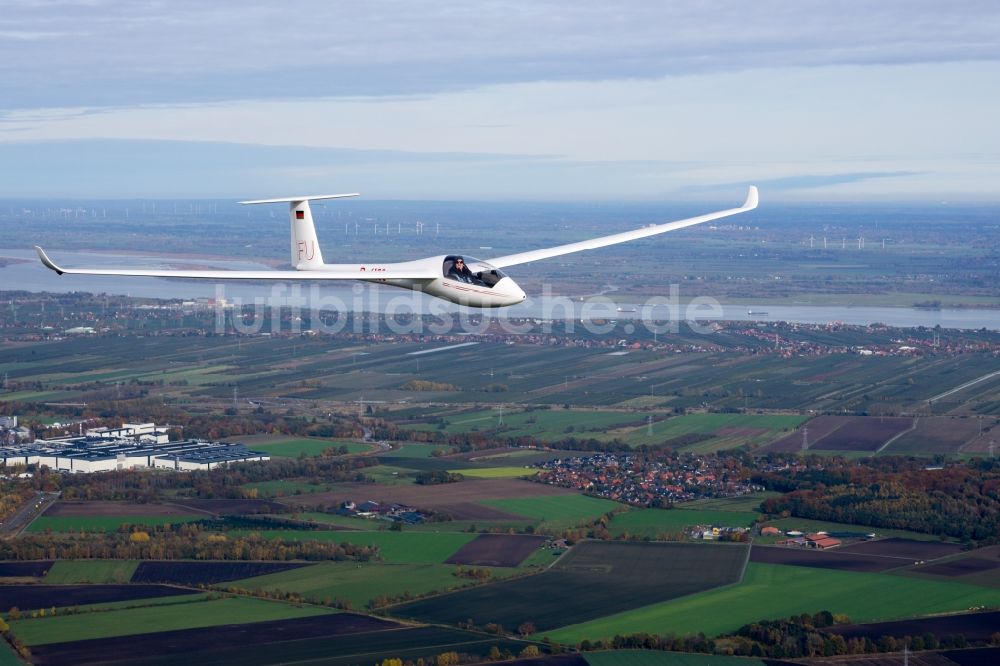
(26, 513)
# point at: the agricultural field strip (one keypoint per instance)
(964, 386)
(37, 596)
(360, 585)
(616, 575)
(102, 523)
(394, 547)
(864, 596)
(234, 610)
(659, 658)
(200, 640)
(409, 643)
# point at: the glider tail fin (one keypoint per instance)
(305, 251)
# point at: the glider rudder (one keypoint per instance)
(305, 251)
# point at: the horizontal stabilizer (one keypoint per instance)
(314, 197)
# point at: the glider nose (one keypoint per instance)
(512, 293)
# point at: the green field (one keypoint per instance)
(126, 622)
(545, 424)
(771, 591)
(474, 525)
(654, 522)
(497, 472)
(557, 512)
(730, 430)
(7, 655)
(593, 579)
(102, 523)
(394, 547)
(414, 450)
(660, 658)
(360, 583)
(285, 487)
(742, 503)
(293, 448)
(341, 521)
(91, 571)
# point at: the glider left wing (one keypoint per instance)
(331, 273)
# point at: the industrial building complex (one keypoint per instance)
(131, 446)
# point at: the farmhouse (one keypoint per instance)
(821, 540)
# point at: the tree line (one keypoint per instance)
(960, 500)
(177, 542)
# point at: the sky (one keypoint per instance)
(496, 100)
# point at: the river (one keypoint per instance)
(33, 277)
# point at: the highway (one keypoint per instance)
(26, 513)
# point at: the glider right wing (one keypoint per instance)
(603, 241)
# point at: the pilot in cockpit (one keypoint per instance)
(459, 271)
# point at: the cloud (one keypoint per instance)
(95, 53)
(810, 182)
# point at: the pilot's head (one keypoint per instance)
(459, 263)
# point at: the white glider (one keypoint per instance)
(457, 278)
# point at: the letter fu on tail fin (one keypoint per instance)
(306, 253)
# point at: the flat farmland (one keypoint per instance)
(92, 571)
(942, 434)
(497, 550)
(660, 658)
(394, 547)
(190, 643)
(34, 569)
(177, 507)
(440, 497)
(344, 649)
(228, 507)
(822, 559)
(125, 622)
(285, 487)
(656, 522)
(33, 596)
(543, 424)
(965, 566)
(497, 472)
(741, 503)
(293, 447)
(413, 450)
(591, 580)
(359, 584)
(557, 512)
(862, 433)
(48, 523)
(727, 430)
(910, 550)
(974, 626)
(81, 508)
(819, 427)
(775, 590)
(204, 573)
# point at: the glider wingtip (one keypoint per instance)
(46, 261)
(752, 198)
